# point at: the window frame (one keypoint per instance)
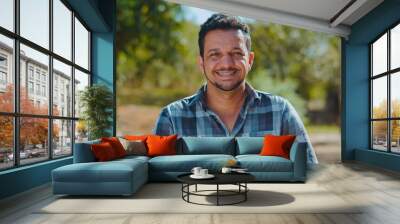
(388, 74)
(16, 115)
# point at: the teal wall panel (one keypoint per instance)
(379, 159)
(24, 178)
(103, 54)
(356, 99)
(355, 85)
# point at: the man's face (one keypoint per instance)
(226, 59)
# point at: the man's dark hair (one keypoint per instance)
(220, 21)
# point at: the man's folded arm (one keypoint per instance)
(292, 124)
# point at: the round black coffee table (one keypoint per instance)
(238, 179)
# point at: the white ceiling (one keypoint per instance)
(321, 9)
(316, 15)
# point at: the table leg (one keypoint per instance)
(245, 191)
(188, 189)
(217, 194)
(182, 188)
(196, 188)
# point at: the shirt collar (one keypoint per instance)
(251, 93)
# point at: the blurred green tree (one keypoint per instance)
(310, 60)
(147, 34)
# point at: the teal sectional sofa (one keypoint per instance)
(125, 176)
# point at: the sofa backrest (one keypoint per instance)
(206, 145)
(83, 152)
(249, 145)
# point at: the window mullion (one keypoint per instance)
(50, 81)
(73, 82)
(16, 70)
(389, 76)
(371, 89)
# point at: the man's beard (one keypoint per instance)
(228, 87)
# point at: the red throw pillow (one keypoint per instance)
(161, 145)
(103, 151)
(116, 145)
(277, 145)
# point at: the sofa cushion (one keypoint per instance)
(257, 163)
(132, 158)
(111, 171)
(185, 163)
(206, 145)
(249, 145)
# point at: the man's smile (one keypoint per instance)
(226, 74)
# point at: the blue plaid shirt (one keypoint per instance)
(262, 113)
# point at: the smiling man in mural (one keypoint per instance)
(227, 105)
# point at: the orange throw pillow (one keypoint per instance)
(116, 145)
(277, 145)
(136, 137)
(103, 152)
(161, 145)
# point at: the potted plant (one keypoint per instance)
(96, 102)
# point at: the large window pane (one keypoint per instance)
(6, 74)
(395, 136)
(33, 139)
(379, 135)
(379, 56)
(35, 21)
(81, 81)
(81, 131)
(34, 81)
(62, 29)
(62, 138)
(81, 45)
(62, 89)
(395, 94)
(7, 14)
(395, 47)
(6, 142)
(379, 97)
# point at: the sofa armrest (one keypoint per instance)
(298, 155)
(83, 152)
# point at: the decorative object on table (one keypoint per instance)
(200, 173)
(231, 163)
(226, 170)
(237, 170)
(196, 170)
(203, 176)
(96, 102)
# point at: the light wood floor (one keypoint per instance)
(351, 181)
